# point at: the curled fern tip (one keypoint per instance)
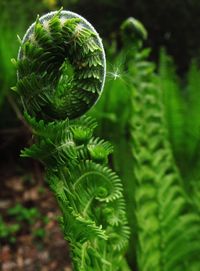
(61, 66)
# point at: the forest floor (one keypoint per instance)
(35, 242)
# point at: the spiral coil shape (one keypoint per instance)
(61, 66)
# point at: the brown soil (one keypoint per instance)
(29, 252)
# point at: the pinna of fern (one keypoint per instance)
(61, 71)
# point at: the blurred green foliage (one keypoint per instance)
(13, 21)
(181, 100)
(8, 232)
(20, 218)
(21, 213)
(116, 111)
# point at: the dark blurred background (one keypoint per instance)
(173, 24)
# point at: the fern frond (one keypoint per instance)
(182, 110)
(167, 225)
(87, 191)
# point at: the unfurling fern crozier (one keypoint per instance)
(61, 66)
(61, 73)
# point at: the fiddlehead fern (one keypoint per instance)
(61, 66)
(61, 70)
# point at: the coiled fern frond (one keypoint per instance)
(61, 66)
(61, 71)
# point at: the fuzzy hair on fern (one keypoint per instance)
(61, 73)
